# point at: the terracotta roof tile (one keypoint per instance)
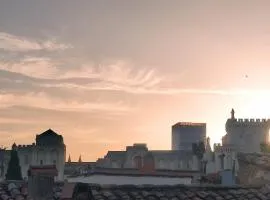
(177, 192)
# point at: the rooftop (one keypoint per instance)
(189, 124)
(49, 138)
(137, 172)
(176, 192)
(45, 169)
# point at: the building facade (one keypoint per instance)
(184, 134)
(139, 157)
(222, 158)
(76, 168)
(49, 149)
(246, 135)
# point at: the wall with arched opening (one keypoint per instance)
(137, 162)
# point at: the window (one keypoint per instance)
(137, 162)
(222, 161)
(162, 164)
(114, 164)
(180, 165)
(26, 161)
(171, 165)
(41, 162)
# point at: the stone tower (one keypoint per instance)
(246, 135)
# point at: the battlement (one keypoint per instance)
(22, 147)
(222, 149)
(248, 122)
(252, 120)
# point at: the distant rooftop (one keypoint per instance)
(139, 173)
(49, 138)
(189, 124)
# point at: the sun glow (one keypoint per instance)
(257, 106)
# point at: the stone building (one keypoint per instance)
(186, 133)
(241, 132)
(222, 158)
(41, 181)
(49, 149)
(138, 156)
(76, 168)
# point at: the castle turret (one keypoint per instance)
(241, 132)
(207, 145)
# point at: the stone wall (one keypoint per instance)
(254, 169)
(241, 132)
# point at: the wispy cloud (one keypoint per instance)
(37, 67)
(10, 42)
(41, 100)
(174, 91)
(118, 73)
(119, 76)
(116, 76)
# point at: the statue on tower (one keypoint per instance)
(232, 114)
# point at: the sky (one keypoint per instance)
(107, 74)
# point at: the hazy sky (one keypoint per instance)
(107, 74)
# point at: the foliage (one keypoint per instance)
(198, 149)
(265, 147)
(14, 168)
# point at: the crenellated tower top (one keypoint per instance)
(245, 135)
(240, 122)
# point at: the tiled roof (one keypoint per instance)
(178, 192)
(67, 190)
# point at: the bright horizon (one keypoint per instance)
(107, 74)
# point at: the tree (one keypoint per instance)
(14, 168)
(2, 158)
(198, 149)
